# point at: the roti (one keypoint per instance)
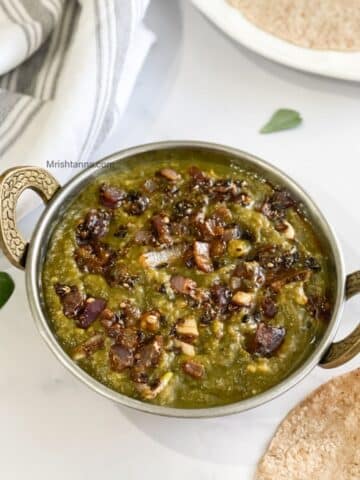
(320, 438)
(316, 24)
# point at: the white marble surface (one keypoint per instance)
(196, 85)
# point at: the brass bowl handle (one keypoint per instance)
(343, 351)
(12, 184)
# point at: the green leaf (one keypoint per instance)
(6, 288)
(283, 119)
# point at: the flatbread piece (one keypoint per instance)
(320, 438)
(317, 24)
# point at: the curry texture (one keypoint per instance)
(238, 345)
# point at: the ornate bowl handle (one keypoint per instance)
(12, 184)
(343, 351)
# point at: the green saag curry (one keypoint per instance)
(186, 282)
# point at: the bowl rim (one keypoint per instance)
(33, 281)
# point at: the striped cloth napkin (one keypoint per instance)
(67, 68)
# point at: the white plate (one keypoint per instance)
(344, 65)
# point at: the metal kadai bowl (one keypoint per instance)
(31, 256)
